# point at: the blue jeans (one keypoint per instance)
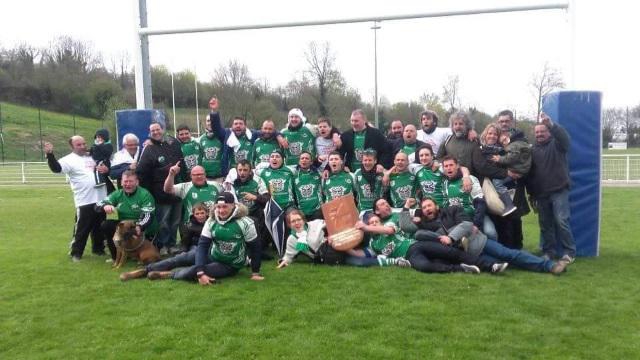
(181, 260)
(501, 184)
(168, 216)
(488, 228)
(496, 252)
(186, 261)
(427, 235)
(553, 217)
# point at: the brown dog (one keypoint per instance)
(129, 243)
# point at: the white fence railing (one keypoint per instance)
(15, 173)
(616, 169)
(623, 168)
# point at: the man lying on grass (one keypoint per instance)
(432, 257)
(227, 236)
(452, 227)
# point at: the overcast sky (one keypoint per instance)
(494, 55)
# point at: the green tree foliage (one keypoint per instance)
(431, 101)
(408, 112)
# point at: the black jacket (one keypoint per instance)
(154, 164)
(447, 218)
(549, 164)
(374, 139)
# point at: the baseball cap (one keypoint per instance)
(225, 198)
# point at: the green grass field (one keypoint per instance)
(53, 308)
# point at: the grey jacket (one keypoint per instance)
(454, 231)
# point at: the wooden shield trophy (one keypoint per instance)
(341, 215)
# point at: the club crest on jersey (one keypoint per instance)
(455, 202)
(337, 191)
(241, 155)
(211, 153)
(428, 186)
(226, 247)
(194, 195)
(295, 148)
(366, 191)
(191, 161)
(404, 192)
(277, 184)
(388, 250)
(306, 190)
(161, 159)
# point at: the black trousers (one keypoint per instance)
(261, 227)
(87, 222)
(509, 230)
(108, 228)
(434, 257)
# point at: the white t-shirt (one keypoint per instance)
(80, 170)
(436, 138)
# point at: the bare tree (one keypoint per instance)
(614, 125)
(450, 93)
(72, 54)
(119, 65)
(545, 82)
(322, 70)
(234, 75)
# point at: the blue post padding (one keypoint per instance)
(579, 113)
(137, 122)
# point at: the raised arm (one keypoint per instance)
(54, 165)
(214, 118)
(170, 180)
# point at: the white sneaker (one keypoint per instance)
(164, 252)
(402, 262)
(470, 268)
(499, 267)
(568, 259)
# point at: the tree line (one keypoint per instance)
(70, 76)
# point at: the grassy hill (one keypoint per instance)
(21, 131)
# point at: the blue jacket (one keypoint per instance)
(223, 135)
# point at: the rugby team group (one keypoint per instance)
(437, 199)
